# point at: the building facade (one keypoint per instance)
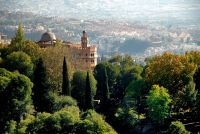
(84, 54)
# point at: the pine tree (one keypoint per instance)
(66, 82)
(88, 94)
(18, 42)
(41, 88)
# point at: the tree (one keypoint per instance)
(18, 42)
(88, 94)
(19, 61)
(158, 103)
(32, 49)
(93, 123)
(130, 74)
(53, 60)
(135, 94)
(79, 87)
(197, 103)
(59, 102)
(194, 57)
(15, 96)
(170, 71)
(66, 81)
(177, 127)
(113, 72)
(105, 88)
(125, 119)
(197, 79)
(62, 121)
(41, 88)
(188, 95)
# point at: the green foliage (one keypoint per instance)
(24, 123)
(135, 94)
(158, 103)
(66, 82)
(129, 74)
(197, 79)
(113, 72)
(1, 60)
(177, 127)
(188, 95)
(66, 120)
(88, 94)
(19, 61)
(125, 61)
(79, 86)
(93, 123)
(62, 121)
(53, 60)
(32, 49)
(105, 89)
(41, 88)
(11, 127)
(129, 71)
(127, 117)
(170, 71)
(194, 57)
(58, 43)
(59, 102)
(15, 96)
(18, 42)
(197, 103)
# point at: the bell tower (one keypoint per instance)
(84, 40)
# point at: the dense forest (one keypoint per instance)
(42, 92)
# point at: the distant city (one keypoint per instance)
(113, 29)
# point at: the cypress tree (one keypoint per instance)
(41, 88)
(88, 94)
(105, 88)
(66, 82)
(104, 99)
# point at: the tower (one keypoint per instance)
(84, 40)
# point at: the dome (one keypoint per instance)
(48, 36)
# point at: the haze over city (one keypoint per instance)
(167, 11)
(113, 25)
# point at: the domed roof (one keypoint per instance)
(48, 36)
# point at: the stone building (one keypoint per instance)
(84, 54)
(47, 39)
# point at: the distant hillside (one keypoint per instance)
(134, 46)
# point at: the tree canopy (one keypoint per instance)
(158, 103)
(15, 96)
